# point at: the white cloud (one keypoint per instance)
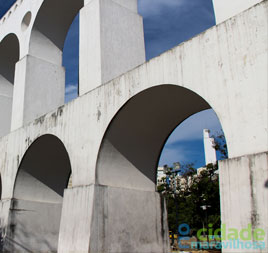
(71, 92)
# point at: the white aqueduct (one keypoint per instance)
(111, 136)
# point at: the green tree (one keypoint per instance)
(190, 194)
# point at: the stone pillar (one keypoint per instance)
(39, 88)
(111, 41)
(228, 8)
(244, 201)
(104, 219)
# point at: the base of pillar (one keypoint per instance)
(109, 219)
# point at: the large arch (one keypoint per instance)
(9, 55)
(127, 162)
(133, 141)
(35, 212)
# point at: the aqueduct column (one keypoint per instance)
(111, 41)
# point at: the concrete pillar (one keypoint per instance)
(39, 88)
(111, 41)
(6, 94)
(228, 8)
(244, 201)
(210, 152)
(106, 219)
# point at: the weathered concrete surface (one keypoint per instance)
(224, 67)
(33, 226)
(139, 225)
(104, 34)
(244, 195)
(39, 81)
(78, 205)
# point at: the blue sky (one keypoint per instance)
(166, 24)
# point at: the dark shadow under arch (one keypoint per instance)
(0, 187)
(47, 161)
(133, 142)
(35, 214)
(48, 34)
(9, 55)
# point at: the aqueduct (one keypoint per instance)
(111, 136)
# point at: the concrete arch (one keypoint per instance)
(9, 55)
(36, 206)
(48, 34)
(42, 66)
(134, 139)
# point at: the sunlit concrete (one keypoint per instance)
(104, 33)
(229, 8)
(114, 133)
(241, 177)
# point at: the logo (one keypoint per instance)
(222, 238)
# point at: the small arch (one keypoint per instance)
(48, 34)
(9, 55)
(26, 21)
(132, 144)
(42, 176)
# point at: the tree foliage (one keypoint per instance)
(194, 198)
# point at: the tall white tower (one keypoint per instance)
(210, 152)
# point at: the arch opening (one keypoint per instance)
(188, 176)
(38, 194)
(26, 21)
(9, 55)
(131, 148)
(48, 34)
(133, 142)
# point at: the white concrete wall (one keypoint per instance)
(229, 8)
(111, 42)
(39, 87)
(6, 94)
(105, 32)
(244, 196)
(239, 61)
(230, 73)
(139, 225)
